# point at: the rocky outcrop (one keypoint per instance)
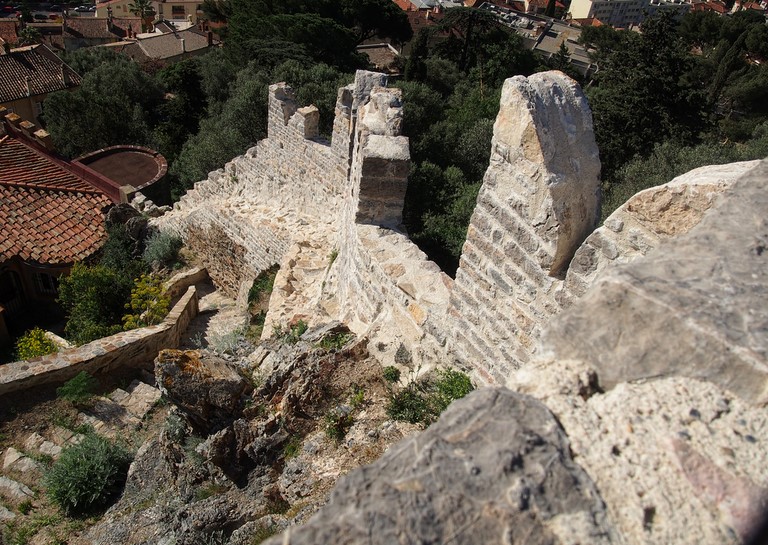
(208, 390)
(646, 220)
(494, 469)
(690, 308)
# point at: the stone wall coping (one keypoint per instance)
(124, 349)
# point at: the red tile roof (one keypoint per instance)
(38, 63)
(8, 32)
(47, 214)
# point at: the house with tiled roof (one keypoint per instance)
(50, 218)
(28, 74)
(8, 33)
(172, 46)
(82, 32)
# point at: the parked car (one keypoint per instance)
(40, 17)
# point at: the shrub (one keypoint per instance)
(337, 424)
(34, 343)
(391, 374)
(423, 402)
(149, 303)
(161, 250)
(262, 285)
(408, 405)
(79, 389)
(292, 334)
(449, 386)
(87, 475)
(335, 341)
(94, 299)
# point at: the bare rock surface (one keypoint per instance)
(208, 390)
(693, 307)
(648, 219)
(676, 460)
(494, 469)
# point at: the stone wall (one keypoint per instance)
(538, 202)
(136, 348)
(296, 200)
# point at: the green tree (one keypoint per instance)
(30, 36)
(142, 9)
(381, 18)
(115, 104)
(640, 97)
(94, 299)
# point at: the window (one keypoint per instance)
(46, 284)
(177, 11)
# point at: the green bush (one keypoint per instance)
(262, 285)
(87, 475)
(149, 303)
(391, 374)
(94, 299)
(409, 405)
(161, 250)
(79, 389)
(335, 341)
(34, 343)
(337, 424)
(423, 402)
(292, 334)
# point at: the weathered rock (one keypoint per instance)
(15, 490)
(646, 220)
(209, 391)
(120, 214)
(693, 307)
(494, 469)
(676, 460)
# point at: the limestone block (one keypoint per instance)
(544, 150)
(694, 306)
(494, 469)
(15, 490)
(365, 82)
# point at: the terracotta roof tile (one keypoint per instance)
(8, 32)
(47, 214)
(41, 66)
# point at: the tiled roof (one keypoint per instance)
(47, 215)
(98, 27)
(8, 32)
(168, 45)
(88, 27)
(40, 65)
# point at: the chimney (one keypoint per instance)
(44, 139)
(28, 128)
(65, 77)
(6, 48)
(29, 87)
(130, 31)
(210, 38)
(183, 47)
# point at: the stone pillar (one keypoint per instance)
(538, 202)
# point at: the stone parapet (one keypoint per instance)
(135, 348)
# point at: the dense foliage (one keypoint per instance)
(34, 343)
(695, 88)
(677, 96)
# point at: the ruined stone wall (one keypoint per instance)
(136, 348)
(538, 202)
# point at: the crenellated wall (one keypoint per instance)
(329, 214)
